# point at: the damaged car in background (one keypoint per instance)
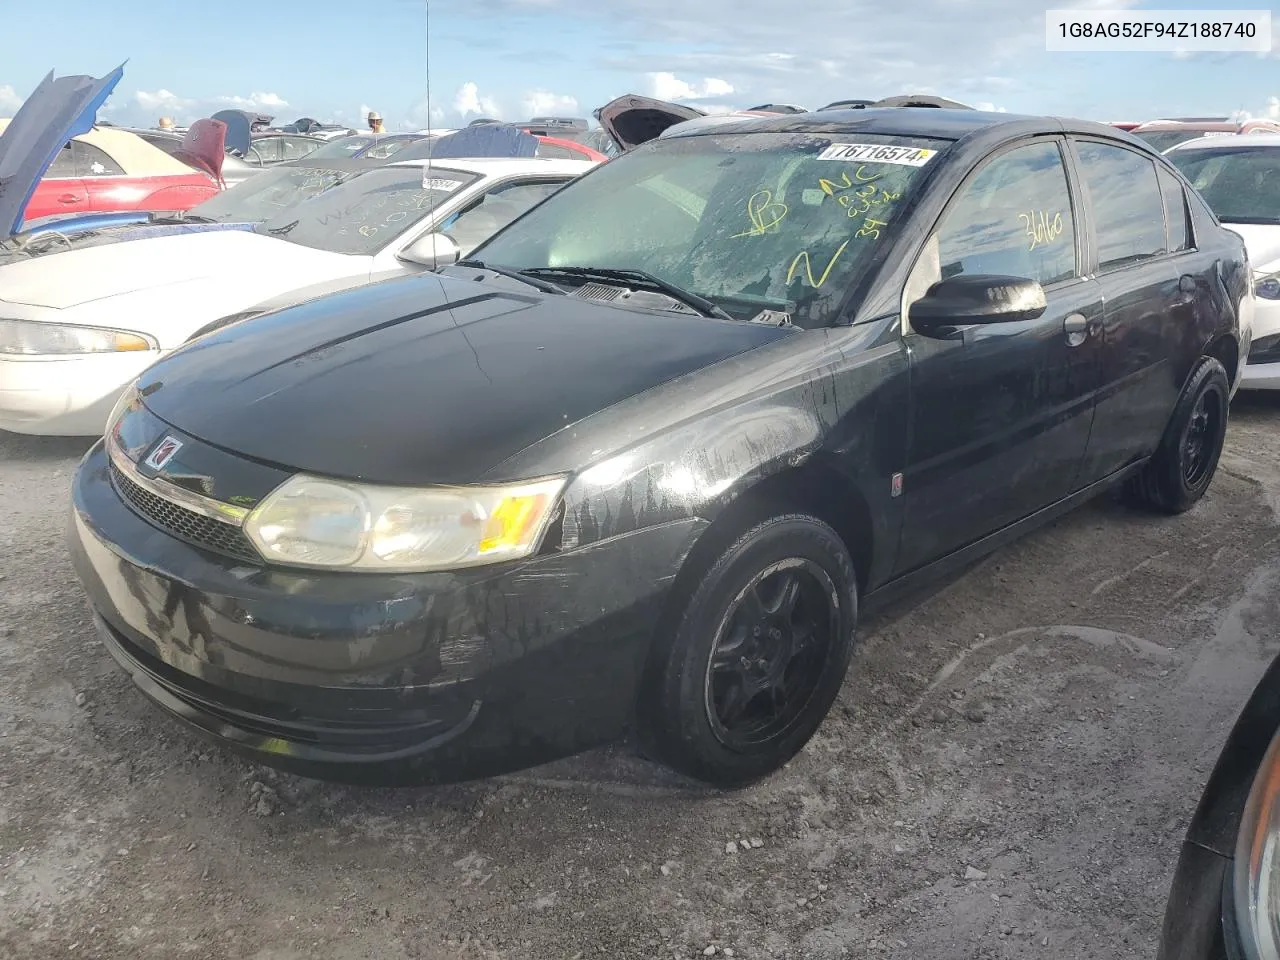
(68, 349)
(96, 169)
(642, 459)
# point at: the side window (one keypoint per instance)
(478, 222)
(295, 148)
(93, 162)
(1176, 214)
(265, 150)
(1124, 198)
(555, 152)
(64, 164)
(1013, 219)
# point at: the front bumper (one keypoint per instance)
(65, 396)
(373, 678)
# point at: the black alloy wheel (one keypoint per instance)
(753, 651)
(769, 653)
(1183, 466)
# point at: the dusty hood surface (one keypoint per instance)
(114, 269)
(56, 111)
(425, 379)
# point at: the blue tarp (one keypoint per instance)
(490, 140)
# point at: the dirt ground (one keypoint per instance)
(1008, 774)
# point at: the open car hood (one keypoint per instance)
(57, 110)
(240, 124)
(205, 146)
(632, 119)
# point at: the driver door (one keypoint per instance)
(1000, 414)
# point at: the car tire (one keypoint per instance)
(1180, 471)
(770, 613)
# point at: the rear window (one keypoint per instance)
(1240, 184)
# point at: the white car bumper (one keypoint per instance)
(1262, 370)
(65, 396)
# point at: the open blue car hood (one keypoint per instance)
(56, 111)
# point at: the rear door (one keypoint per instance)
(105, 180)
(61, 190)
(1149, 294)
(1000, 414)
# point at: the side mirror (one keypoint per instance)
(432, 250)
(981, 298)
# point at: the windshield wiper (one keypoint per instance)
(182, 218)
(543, 285)
(701, 304)
(281, 231)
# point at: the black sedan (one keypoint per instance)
(1225, 900)
(639, 464)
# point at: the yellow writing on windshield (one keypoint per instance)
(871, 228)
(808, 266)
(1041, 227)
(763, 212)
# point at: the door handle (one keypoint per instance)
(1077, 329)
(68, 198)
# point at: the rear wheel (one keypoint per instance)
(757, 655)
(1180, 471)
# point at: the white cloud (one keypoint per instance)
(149, 105)
(9, 100)
(544, 103)
(468, 102)
(667, 86)
(988, 106)
(1270, 112)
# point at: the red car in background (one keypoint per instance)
(108, 170)
(560, 149)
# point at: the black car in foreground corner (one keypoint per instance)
(640, 462)
(1225, 900)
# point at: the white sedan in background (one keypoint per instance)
(77, 326)
(1239, 177)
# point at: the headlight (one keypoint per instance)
(128, 399)
(314, 522)
(32, 338)
(1267, 285)
(1257, 863)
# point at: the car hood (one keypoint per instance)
(114, 269)
(425, 379)
(1262, 241)
(205, 147)
(632, 119)
(57, 110)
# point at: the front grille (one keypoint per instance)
(184, 524)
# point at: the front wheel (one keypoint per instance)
(757, 656)
(1180, 471)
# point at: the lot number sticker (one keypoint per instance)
(878, 153)
(439, 183)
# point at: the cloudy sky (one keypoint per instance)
(334, 59)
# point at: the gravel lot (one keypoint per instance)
(1008, 774)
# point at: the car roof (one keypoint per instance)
(135, 156)
(1229, 141)
(938, 122)
(502, 166)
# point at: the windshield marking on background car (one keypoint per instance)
(1042, 227)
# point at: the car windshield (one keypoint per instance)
(342, 148)
(266, 194)
(751, 222)
(1162, 140)
(1241, 185)
(363, 216)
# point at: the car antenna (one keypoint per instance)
(426, 49)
